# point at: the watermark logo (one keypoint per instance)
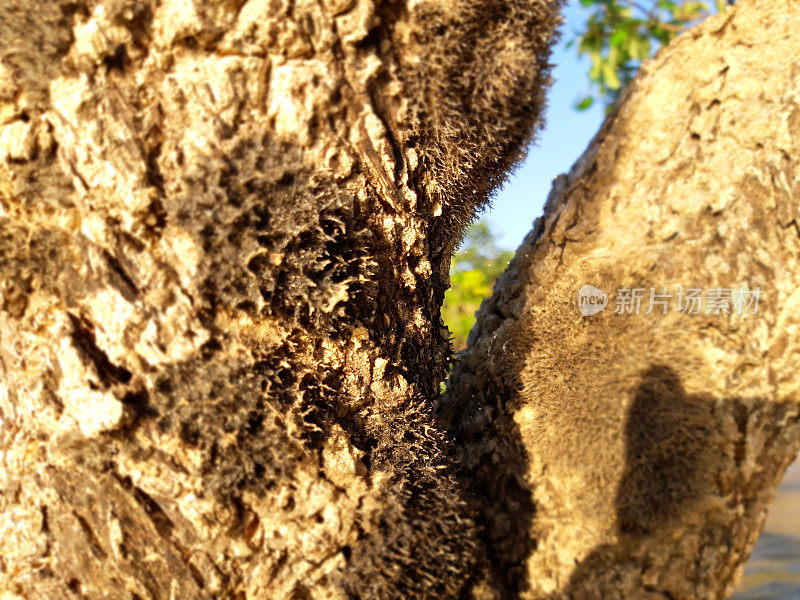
(591, 300)
(687, 301)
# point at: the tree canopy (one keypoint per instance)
(619, 34)
(473, 271)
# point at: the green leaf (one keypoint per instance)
(597, 66)
(585, 103)
(639, 47)
(618, 38)
(610, 76)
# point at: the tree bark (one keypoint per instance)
(635, 455)
(225, 236)
(226, 230)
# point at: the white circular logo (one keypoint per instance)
(591, 300)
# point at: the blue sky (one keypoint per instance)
(566, 135)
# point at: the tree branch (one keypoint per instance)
(635, 455)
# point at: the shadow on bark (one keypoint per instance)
(667, 434)
(678, 466)
(667, 469)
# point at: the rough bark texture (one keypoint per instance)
(225, 231)
(624, 456)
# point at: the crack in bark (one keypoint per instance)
(83, 339)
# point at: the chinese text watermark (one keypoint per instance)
(688, 301)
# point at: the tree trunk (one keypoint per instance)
(625, 455)
(225, 232)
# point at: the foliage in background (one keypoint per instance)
(473, 271)
(619, 34)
